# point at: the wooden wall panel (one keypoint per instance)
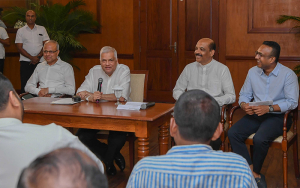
(117, 31)
(239, 45)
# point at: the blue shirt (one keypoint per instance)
(281, 86)
(192, 166)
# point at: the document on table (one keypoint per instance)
(131, 106)
(64, 101)
(261, 103)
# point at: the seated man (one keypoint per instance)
(53, 75)
(208, 75)
(61, 168)
(267, 81)
(21, 143)
(192, 162)
(112, 74)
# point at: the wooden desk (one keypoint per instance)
(103, 116)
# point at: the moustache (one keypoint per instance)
(197, 54)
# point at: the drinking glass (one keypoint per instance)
(118, 94)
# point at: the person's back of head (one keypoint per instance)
(63, 168)
(197, 118)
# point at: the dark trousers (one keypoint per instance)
(216, 144)
(26, 70)
(1, 65)
(266, 128)
(106, 152)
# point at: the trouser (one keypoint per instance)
(1, 65)
(266, 128)
(216, 144)
(26, 70)
(106, 152)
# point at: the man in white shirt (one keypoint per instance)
(29, 41)
(208, 75)
(21, 143)
(112, 74)
(4, 41)
(53, 75)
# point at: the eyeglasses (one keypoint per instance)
(50, 52)
(261, 55)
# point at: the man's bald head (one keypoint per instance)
(63, 168)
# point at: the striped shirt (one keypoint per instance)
(192, 166)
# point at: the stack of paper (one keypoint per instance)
(64, 101)
(131, 106)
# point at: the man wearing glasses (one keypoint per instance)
(55, 77)
(268, 81)
(29, 41)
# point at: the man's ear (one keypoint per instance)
(13, 99)
(217, 132)
(173, 127)
(212, 53)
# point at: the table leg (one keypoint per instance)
(163, 139)
(143, 148)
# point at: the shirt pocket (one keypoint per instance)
(40, 38)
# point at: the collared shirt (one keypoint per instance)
(192, 166)
(32, 40)
(281, 86)
(120, 77)
(2, 24)
(3, 35)
(21, 143)
(213, 78)
(59, 78)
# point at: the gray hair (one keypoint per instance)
(54, 42)
(107, 49)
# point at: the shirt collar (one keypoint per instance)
(275, 70)
(198, 148)
(9, 121)
(58, 62)
(29, 27)
(207, 65)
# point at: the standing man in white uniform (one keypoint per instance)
(29, 41)
(4, 41)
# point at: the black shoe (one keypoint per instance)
(261, 182)
(111, 170)
(120, 161)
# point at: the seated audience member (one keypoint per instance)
(112, 74)
(268, 81)
(21, 143)
(63, 168)
(53, 75)
(192, 162)
(208, 75)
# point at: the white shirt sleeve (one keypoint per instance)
(87, 85)
(31, 85)
(181, 84)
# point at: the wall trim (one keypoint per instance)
(284, 58)
(86, 56)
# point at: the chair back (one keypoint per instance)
(138, 84)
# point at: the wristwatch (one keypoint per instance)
(271, 109)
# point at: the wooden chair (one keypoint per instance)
(138, 84)
(225, 110)
(282, 142)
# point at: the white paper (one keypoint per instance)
(135, 103)
(128, 107)
(261, 103)
(64, 101)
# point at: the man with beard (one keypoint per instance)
(208, 75)
(21, 143)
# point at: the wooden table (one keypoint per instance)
(103, 116)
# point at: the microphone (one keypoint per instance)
(100, 80)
